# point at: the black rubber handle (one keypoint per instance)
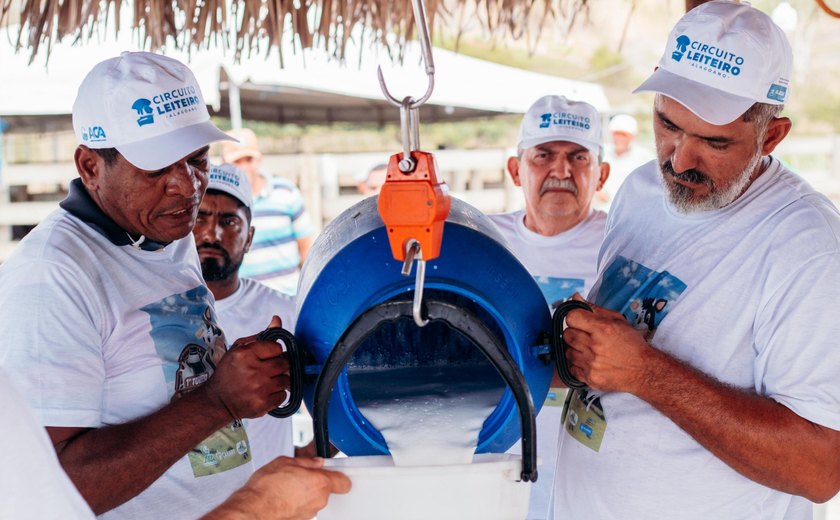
(559, 345)
(295, 370)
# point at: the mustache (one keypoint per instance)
(693, 176)
(563, 184)
(217, 247)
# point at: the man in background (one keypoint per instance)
(371, 181)
(623, 154)
(223, 235)
(556, 237)
(283, 229)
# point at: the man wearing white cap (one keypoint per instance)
(623, 154)
(720, 398)
(223, 234)
(557, 235)
(110, 333)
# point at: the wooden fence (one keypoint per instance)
(28, 192)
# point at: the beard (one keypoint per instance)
(683, 198)
(215, 269)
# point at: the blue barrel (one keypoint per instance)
(350, 270)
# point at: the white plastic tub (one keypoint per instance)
(487, 489)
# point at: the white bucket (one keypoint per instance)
(487, 489)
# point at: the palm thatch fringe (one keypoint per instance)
(255, 26)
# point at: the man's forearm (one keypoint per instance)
(113, 464)
(758, 437)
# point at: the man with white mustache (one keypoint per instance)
(557, 236)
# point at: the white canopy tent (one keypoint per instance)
(316, 89)
(310, 88)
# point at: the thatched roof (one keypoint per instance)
(256, 25)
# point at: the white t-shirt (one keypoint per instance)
(562, 265)
(34, 486)
(746, 294)
(244, 313)
(98, 334)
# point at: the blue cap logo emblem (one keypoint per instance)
(93, 134)
(683, 42)
(144, 110)
(777, 93)
(545, 120)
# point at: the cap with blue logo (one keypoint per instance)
(229, 179)
(147, 106)
(555, 118)
(721, 58)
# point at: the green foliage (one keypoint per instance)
(603, 59)
(345, 137)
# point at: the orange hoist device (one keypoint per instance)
(414, 206)
(414, 201)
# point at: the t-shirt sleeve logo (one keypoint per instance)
(642, 295)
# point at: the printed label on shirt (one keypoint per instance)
(226, 449)
(190, 344)
(558, 290)
(584, 419)
(642, 295)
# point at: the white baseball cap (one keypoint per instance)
(555, 118)
(721, 58)
(229, 179)
(147, 106)
(624, 123)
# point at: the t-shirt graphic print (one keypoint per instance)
(642, 295)
(190, 343)
(557, 290)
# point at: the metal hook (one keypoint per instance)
(412, 249)
(425, 49)
(407, 124)
(418, 294)
(413, 252)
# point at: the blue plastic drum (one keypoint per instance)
(350, 273)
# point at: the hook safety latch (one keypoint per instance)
(414, 205)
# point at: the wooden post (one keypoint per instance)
(310, 186)
(476, 180)
(328, 178)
